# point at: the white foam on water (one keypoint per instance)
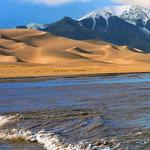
(15, 134)
(9, 119)
(49, 140)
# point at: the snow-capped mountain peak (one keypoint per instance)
(106, 12)
(96, 14)
(117, 10)
(129, 13)
(136, 13)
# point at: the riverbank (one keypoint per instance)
(12, 71)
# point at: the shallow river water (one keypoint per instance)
(87, 113)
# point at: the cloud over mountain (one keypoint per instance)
(145, 3)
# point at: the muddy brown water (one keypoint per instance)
(105, 112)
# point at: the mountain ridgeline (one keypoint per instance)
(121, 25)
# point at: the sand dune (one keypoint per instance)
(30, 46)
(36, 47)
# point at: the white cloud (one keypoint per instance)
(145, 3)
(54, 2)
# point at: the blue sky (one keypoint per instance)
(21, 12)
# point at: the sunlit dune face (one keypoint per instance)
(31, 46)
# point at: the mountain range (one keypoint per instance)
(120, 25)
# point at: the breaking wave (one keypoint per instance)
(49, 139)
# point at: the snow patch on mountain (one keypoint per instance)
(36, 26)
